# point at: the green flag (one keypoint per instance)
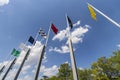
(15, 52)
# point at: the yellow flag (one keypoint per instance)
(92, 12)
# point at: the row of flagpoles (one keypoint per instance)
(45, 36)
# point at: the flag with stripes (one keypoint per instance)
(43, 34)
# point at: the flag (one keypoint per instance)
(31, 40)
(23, 47)
(43, 34)
(15, 52)
(69, 22)
(92, 12)
(55, 30)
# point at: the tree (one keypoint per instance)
(107, 68)
(85, 74)
(53, 78)
(116, 64)
(64, 71)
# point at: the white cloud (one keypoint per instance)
(64, 49)
(67, 63)
(49, 71)
(3, 2)
(61, 35)
(25, 68)
(81, 68)
(118, 45)
(4, 63)
(27, 77)
(77, 23)
(76, 35)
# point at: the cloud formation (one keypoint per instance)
(77, 36)
(77, 23)
(3, 2)
(49, 71)
(118, 45)
(63, 49)
(61, 35)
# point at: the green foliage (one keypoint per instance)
(53, 78)
(107, 68)
(64, 71)
(103, 69)
(85, 74)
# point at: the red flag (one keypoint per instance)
(55, 30)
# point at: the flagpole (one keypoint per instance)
(18, 72)
(73, 62)
(48, 35)
(10, 67)
(39, 63)
(41, 56)
(108, 18)
(5, 65)
(1, 70)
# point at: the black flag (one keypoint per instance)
(69, 22)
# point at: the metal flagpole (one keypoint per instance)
(73, 62)
(18, 72)
(41, 56)
(1, 70)
(10, 67)
(48, 35)
(39, 63)
(112, 21)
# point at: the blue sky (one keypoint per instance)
(21, 18)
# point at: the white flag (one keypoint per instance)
(23, 47)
